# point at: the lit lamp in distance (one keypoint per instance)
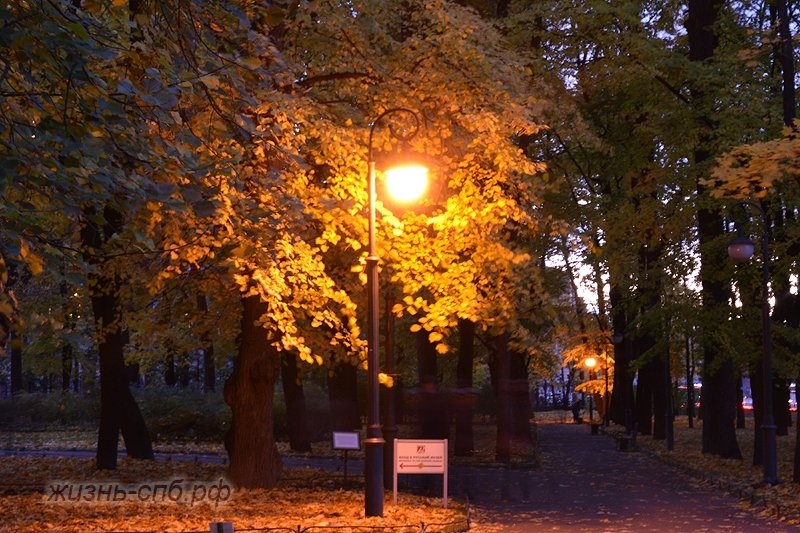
(590, 363)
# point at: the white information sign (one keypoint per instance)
(415, 456)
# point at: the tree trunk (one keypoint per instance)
(501, 378)
(620, 400)
(465, 395)
(250, 442)
(343, 398)
(209, 368)
(644, 399)
(433, 413)
(719, 388)
(118, 409)
(690, 371)
(294, 396)
(796, 469)
(16, 361)
(67, 356)
(520, 398)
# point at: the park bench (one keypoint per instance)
(626, 442)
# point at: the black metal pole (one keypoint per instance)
(768, 427)
(389, 416)
(770, 458)
(373, 444)
(606, 402)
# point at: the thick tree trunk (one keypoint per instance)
(785, 53)
(660, 398)
(621, 402)
(294, 396)
(520, 398)
(644, 399)
(118, 409)
(465, 395)
(250, 442)
(501, 379)
(719, 387)
(689, 381)
(343, 398)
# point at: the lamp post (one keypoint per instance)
(606, 399)
(407, 180)
(739, 250)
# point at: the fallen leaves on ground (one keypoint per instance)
(308, 497)
(736, 476)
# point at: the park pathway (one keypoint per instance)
(586, 484)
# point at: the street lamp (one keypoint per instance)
(739, 250)
(403, 181)
(590, 363)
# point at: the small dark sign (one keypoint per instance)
(346, 440)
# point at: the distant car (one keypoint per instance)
(747, 403)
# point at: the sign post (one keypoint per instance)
(345, 440)
(414, 456)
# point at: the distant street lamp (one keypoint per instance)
(406, 182)
(741, 249)
(590, 363)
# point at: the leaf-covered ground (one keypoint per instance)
(308, 498)
(739, 477)
(311, 497)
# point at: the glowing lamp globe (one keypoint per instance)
(590, 362)
(741, 249)
(407, 183)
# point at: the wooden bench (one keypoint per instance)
(626, 442)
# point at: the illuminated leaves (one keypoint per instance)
(754, 170)
(308, 499)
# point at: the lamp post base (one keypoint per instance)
(770, 455)
(373, 476)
